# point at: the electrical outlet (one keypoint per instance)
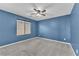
(77, 51)
(64, 39)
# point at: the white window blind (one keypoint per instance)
(23, 27)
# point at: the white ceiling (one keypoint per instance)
(25, 9)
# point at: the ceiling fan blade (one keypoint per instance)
(43, 14)
(35, 9)
(43, 11)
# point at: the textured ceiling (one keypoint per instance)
(25, 9)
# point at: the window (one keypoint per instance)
(23, 27)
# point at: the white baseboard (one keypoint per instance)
(60, 42)
(38, 38)
(53, 40)
(72, 49)
(16, 42)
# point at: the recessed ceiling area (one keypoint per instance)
(38, 11)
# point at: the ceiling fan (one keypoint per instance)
(40, 12)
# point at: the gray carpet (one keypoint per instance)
(37, 47)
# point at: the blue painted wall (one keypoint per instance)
(8, 28)
(75, 28)
(55, 28)
(62, 27)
